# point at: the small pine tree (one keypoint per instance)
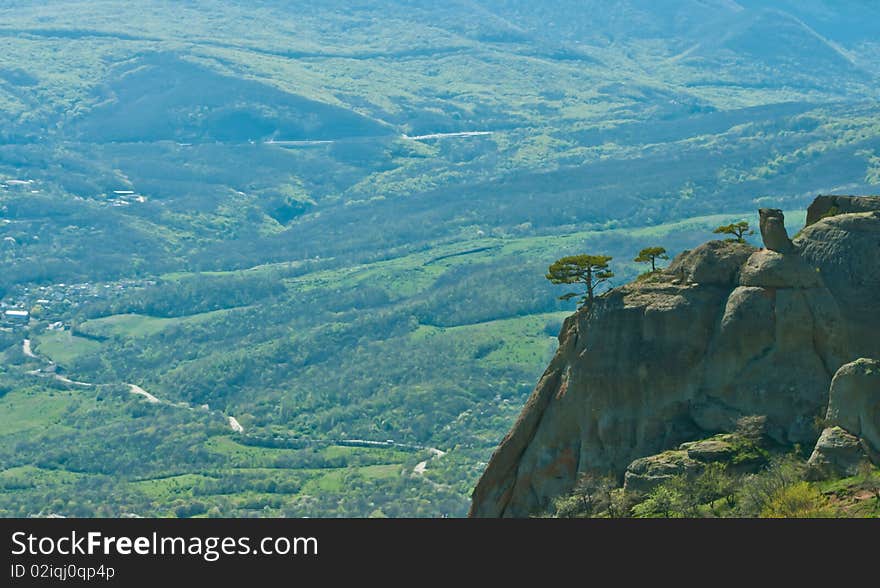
(589, 270)
(739, 230)
(651, 255)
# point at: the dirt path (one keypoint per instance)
(27, 350)
(67, 380)
(236, 426)
(141, 392)
(449, 135)
(422, 466)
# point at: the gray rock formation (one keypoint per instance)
(838, 454)
(716, 263)
(845, 249)
(826, 206)
(854, 402)
(853, 418)
(773, 230)
(646, 473)
(725, 332)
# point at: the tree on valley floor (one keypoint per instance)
(739, 230)
(589, 270)
(870, 479)
(651, 255)
(662, 502)
(592, 494)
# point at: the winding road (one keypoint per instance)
(419, 470)
(27, 349)
(405, 137)
(449, 135)
(141, 392)
(422, 466)
(236, 426)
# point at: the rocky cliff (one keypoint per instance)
(727, 331)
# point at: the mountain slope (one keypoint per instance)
(726, 332)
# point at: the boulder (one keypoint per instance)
(770, 269)
(645, 474)
(773, 230)
(714, 263)
(838, 454)
(828, 206)
(854, 403)
(711, 450)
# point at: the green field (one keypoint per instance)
(135, 326)
(229, 478)
(64, 348)
(33, 409)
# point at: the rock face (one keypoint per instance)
(855, 400)
(838, 453)
(825, 206)
(646, 473)
(773, 230)
(853, 418)
(726, 332)
(716, 263)
(846, 251)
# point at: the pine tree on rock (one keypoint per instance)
(651, 255)
(589, 270)
(739, 231)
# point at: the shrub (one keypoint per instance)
(800, 500)
(758, 490)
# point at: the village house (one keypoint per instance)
(16, 317)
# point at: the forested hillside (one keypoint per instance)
(331, 222)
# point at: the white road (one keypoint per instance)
(141, 392)
(449, 135)
(67, 380)
(422, 466)
(298, 143)
(236, 426)
(28, 351)
(309, 143)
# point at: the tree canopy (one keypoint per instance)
(651, 255)
(739, 230)
(589, 270)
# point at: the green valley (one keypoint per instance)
(330, 223)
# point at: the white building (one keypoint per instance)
(20, 317)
